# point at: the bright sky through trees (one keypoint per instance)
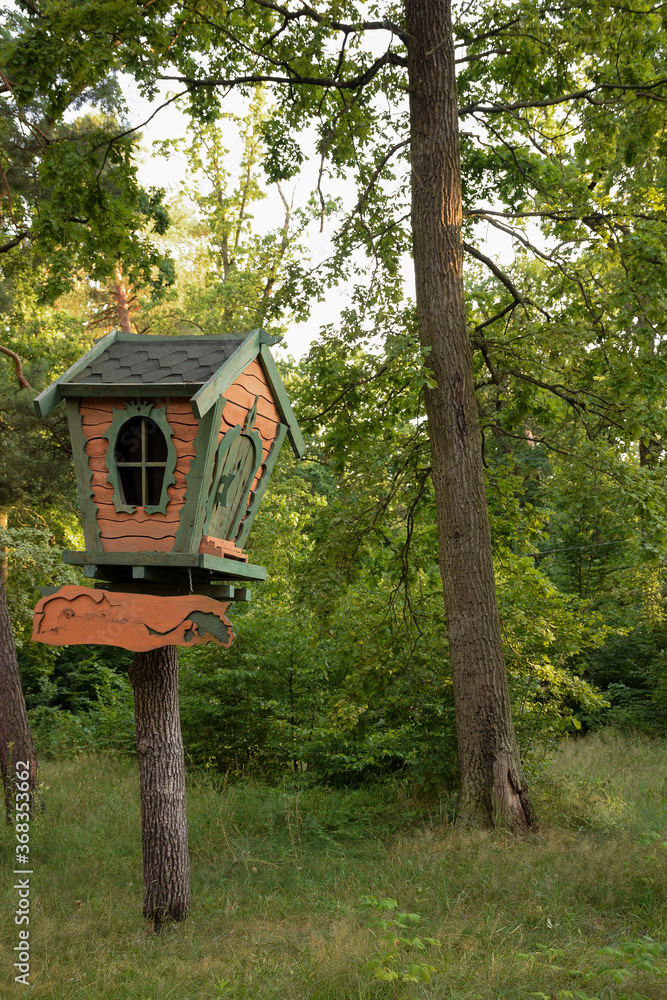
(170, 173)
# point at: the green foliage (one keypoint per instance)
(546, 633)
(231, 277)
(106, 726)
(352, 679)
(630, 964)
(71, 201)
(337, 694)
(392, 964)
(33, 558)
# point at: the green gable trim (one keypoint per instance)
(282, 401)
(158, 390)
(268, 338)
(84, 478)
(246, 524)
(203, 400)
(49, 398)
(198, 480)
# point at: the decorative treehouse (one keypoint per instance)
(174, 440)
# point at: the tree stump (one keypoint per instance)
(164, 830)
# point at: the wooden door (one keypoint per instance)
(236, 467)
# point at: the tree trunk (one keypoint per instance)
(15, 736)
(122, 306)
(492, 785)
(164, 830)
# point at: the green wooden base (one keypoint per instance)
(203, 567)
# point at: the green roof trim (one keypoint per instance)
(284, 406)
(201, 367)
(49, 398)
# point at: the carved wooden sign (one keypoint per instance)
(78, 615)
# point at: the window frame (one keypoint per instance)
(120, 417)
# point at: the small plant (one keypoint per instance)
(223, 988)
(624, 964)
(391, 964)
(653, 839)
(631, 957)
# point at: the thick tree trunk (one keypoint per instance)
(492, 785)
(15, 736)
(164, 830)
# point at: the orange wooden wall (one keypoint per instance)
(141, 532)
(240, 398)
(137, 532)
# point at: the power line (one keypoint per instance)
(571, 548)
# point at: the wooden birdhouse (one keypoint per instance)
(174, 440)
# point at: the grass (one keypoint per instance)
(278, 876)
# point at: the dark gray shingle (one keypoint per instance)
(189, 360)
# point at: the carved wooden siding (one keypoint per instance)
(250, 392)
(249, 413)
(139, 531)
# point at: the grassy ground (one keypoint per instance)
(277, 879)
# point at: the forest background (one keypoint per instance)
(340, 666)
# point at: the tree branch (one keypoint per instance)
(504, 279)
(500, 275)
(310, 12)
(20, 377)
(376, 173)
(480, 213)
(488, 34)
(15, 242)
(574, 95)
(558, 390)
(31, 7)
(503, 312)
(388, 59)
(482, 55)
(482, 344)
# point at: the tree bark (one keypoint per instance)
(492, 784)
(122, 306)
(164, 830)
(15, 737)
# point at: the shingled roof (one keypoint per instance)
(125, 365)
(151, 360)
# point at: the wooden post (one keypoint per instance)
(164, 830)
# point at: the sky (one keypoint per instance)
(158, 171)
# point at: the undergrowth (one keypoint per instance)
(576, 909)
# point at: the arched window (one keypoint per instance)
(141, 460)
